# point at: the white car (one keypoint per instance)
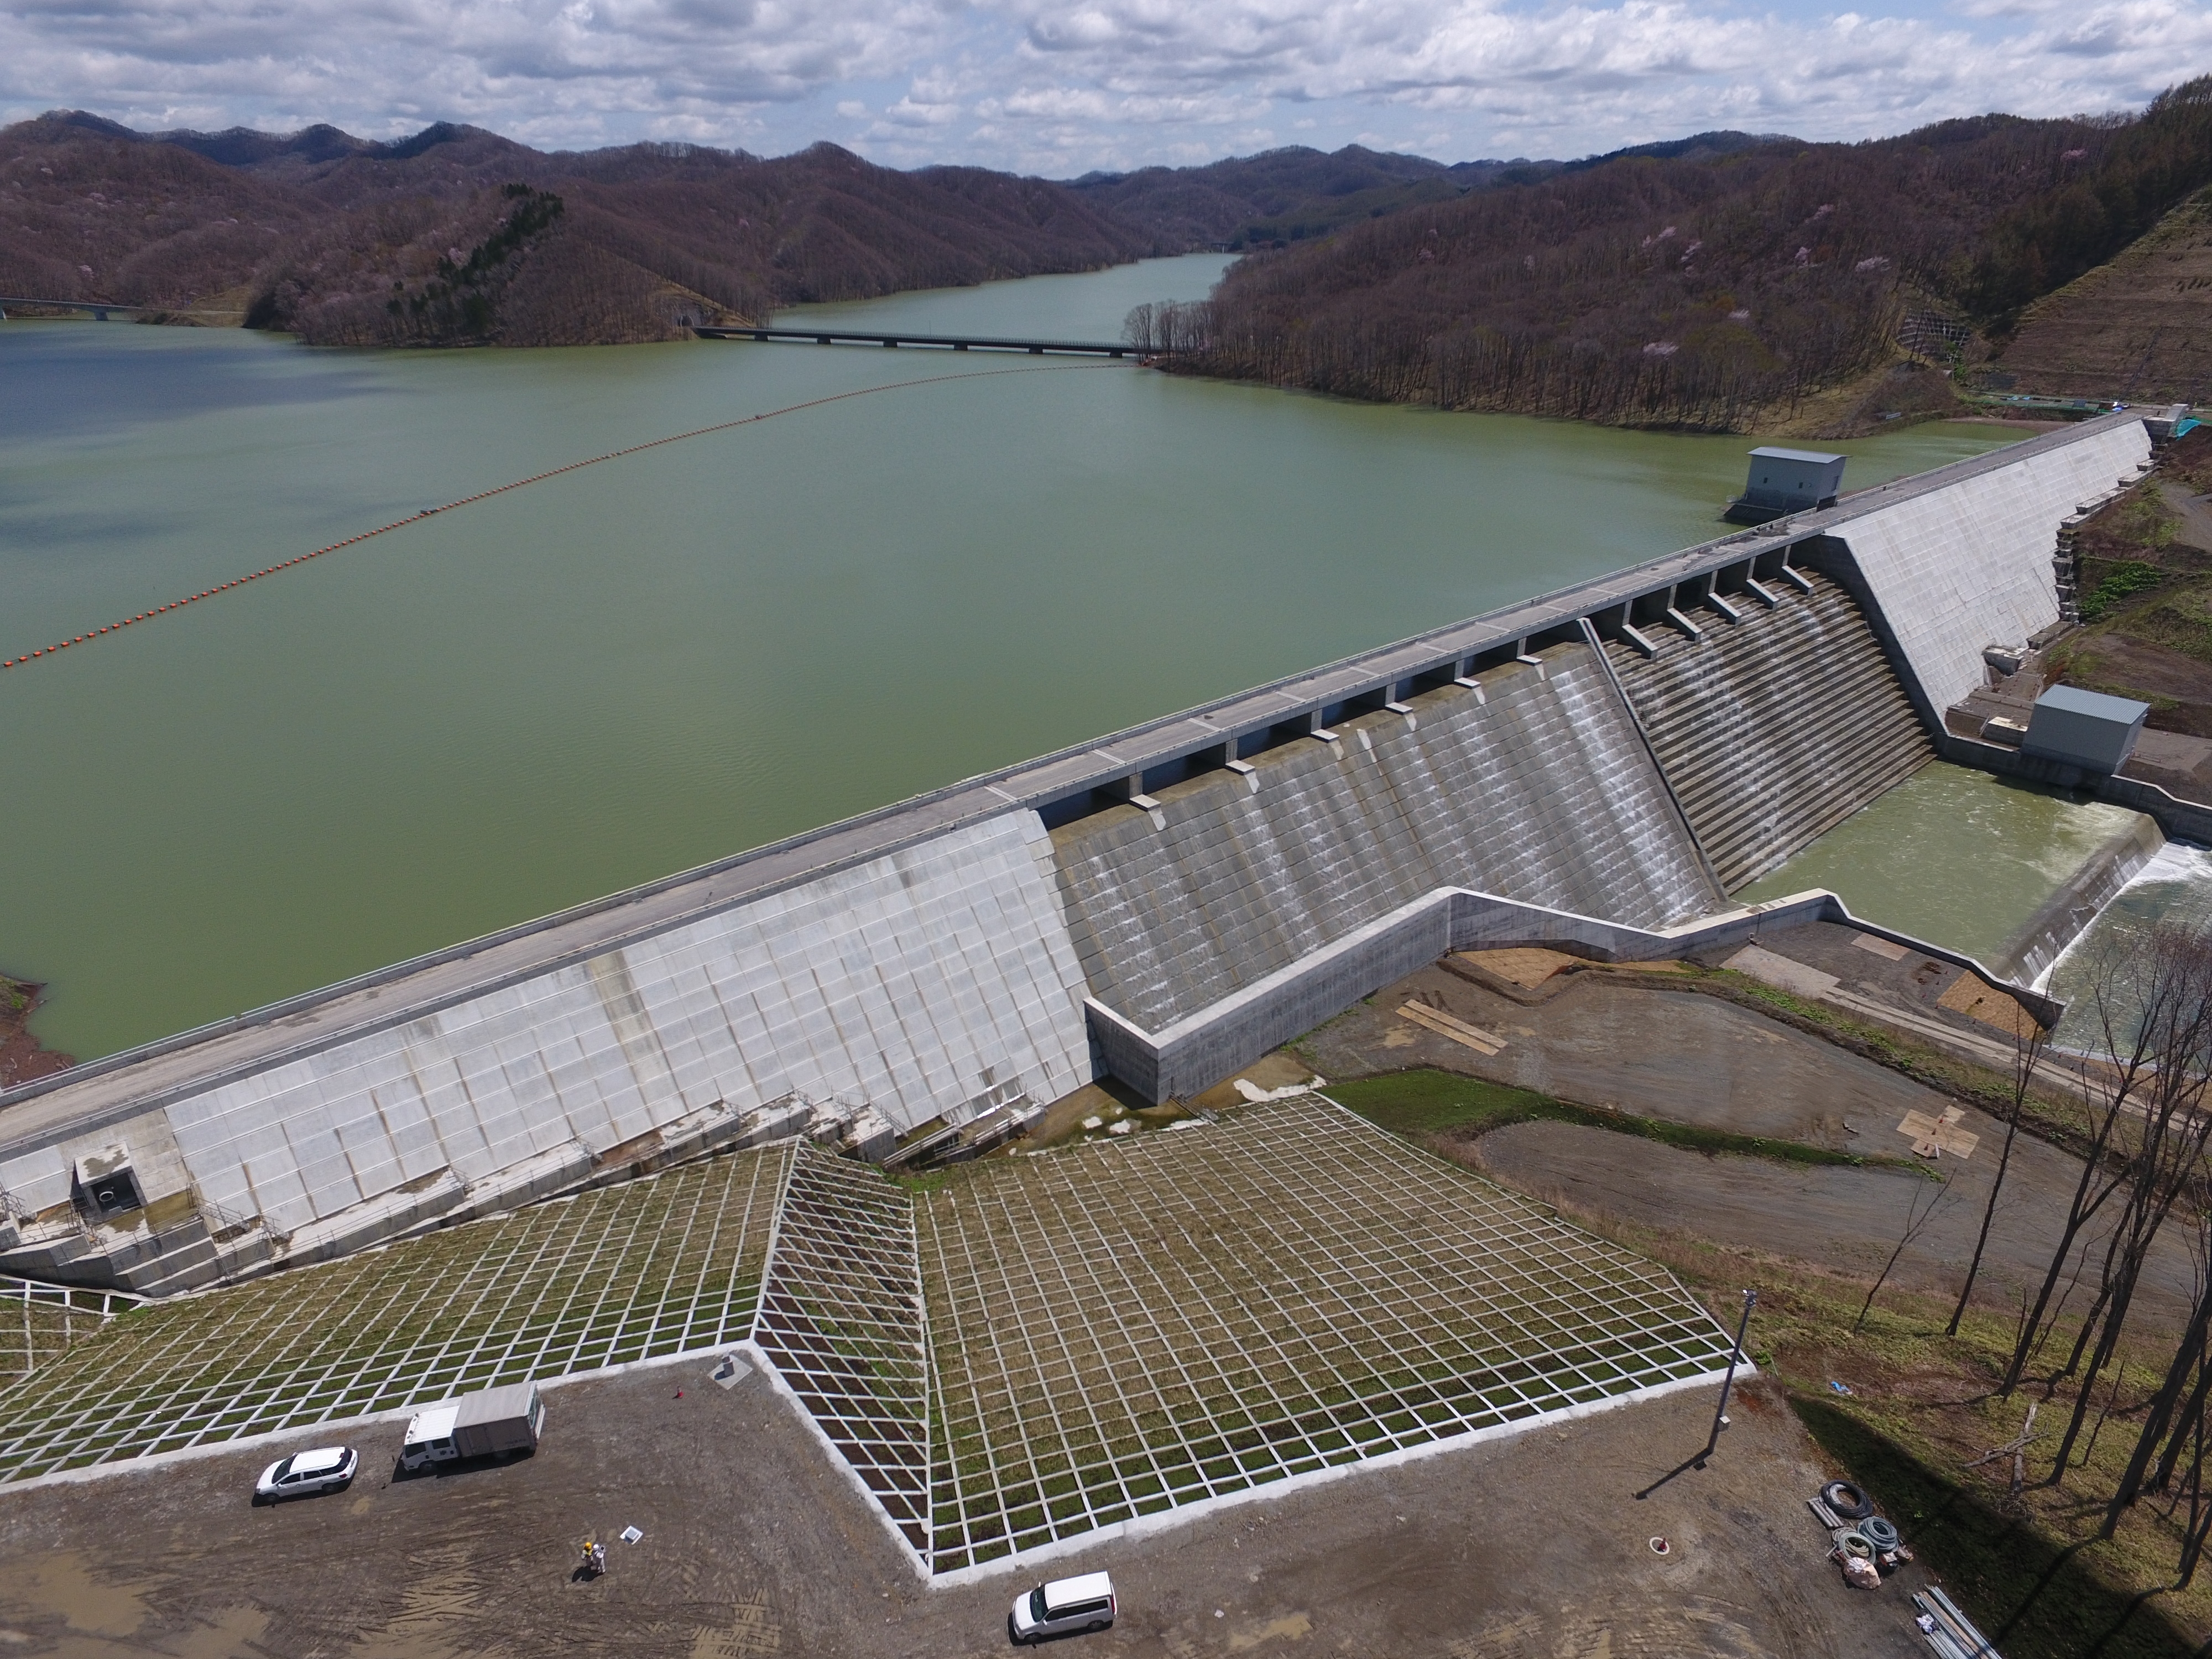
(307, 1472)
(1064, 1606)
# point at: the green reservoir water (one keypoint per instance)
(643, 665)
(1952, 856)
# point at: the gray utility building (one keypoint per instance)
(2085, 729)
(1787, 481)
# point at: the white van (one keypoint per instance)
(1063, 1606)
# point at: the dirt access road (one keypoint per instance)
(754, 1545)
(1697, 1060)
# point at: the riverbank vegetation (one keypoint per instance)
(21, 1056)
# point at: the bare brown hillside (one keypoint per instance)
(2139, 328)
(1723, 290)
(457, 234)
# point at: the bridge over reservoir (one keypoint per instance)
(1600, 767)
(934, 342)
(98, 309)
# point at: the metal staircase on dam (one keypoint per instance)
(1774, 724)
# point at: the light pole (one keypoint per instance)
(1735, 1359)
(1720, 1412)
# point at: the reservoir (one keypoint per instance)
(635, 667)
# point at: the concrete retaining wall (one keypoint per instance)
(1195, 1052)
(916, 982)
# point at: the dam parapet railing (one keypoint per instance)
(1011, 936)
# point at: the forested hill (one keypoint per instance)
(1296, 194)
(457, 234)
(1280, 196)
(1716, 280)
(1710, 289)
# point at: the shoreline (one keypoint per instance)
(23, 1056)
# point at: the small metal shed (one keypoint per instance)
(1794, 478)
(1787, 481)
(2086, 729)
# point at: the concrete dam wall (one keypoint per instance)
(1597, 766)
(1529, 781)
(1952, 569)
(938, 979)
(1776, 719)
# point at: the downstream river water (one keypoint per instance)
(645, 664)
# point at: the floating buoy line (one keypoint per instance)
(519, 484)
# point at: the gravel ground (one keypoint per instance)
(1697, 1060)
(754, 1545)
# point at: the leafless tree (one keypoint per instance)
(1916, 1219)
(1137, 328)
(2030, 1038)
(2175, 1413)
(2139, 1003)
(2169, 1134)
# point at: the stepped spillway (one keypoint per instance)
(1531, 784)
(1774, 727)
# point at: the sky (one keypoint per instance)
(1060, 87)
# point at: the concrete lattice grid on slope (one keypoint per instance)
(667, 1265)
(841, 1320)
(1043, 1347)
(39, 1322)
(1121, 1330)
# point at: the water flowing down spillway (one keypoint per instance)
(1535, 788)
(1772, 726)
(2174, 889)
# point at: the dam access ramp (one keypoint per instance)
(1594, 769)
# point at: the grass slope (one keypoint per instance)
(1421, 1102)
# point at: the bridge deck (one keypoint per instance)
(936, 341)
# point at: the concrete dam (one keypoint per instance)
(1600, 766)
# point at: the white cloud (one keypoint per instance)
(1061, 86)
